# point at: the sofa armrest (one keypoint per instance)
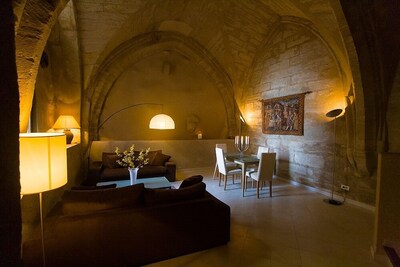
(171, 170)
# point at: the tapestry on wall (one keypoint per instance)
(283, 115)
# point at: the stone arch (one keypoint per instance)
(142, 46)
(355, 138)
(37, 20)
(364, 154)
(274, 31)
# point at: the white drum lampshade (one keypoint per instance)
(43, 162)
(162, 122)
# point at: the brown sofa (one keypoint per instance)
(108, 169)
(130, 226)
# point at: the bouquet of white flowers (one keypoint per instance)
(130, 160)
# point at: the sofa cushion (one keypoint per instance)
(191, 181)
(152, 171)
(109, 174)
(77, 201)
(152, 155)
(93, 187)
(164, 196)
(160, 159)
(110, 160)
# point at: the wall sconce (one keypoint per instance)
(43, 166)
(67, 122)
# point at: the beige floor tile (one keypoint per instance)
(293, 228)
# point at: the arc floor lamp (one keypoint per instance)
(334, 114)
(160, 121)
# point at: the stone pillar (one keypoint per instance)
(387, 214)
(10, 209)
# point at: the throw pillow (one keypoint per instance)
(110, 160)
(84, 201)
(160, 159)
(93, 187)
(152, 155)
(165, 196)
(191, 181)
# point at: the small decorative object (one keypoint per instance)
(242, 143)
(133, 175)
(283, 115)
(132, 161)
(199, 135)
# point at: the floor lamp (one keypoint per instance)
(333, 114)
(43, 167)
(160, 121)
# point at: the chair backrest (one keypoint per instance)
(266, 167)
(223, 146)
(262, 149)
(220, 160)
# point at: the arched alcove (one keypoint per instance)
(142, 47)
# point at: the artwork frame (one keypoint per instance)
(283, 115)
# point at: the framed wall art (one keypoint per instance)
(283, 115)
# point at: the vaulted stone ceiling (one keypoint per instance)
(232, 31)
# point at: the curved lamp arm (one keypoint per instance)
(159, 122)
(122, 109)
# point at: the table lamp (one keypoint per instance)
(43, 166)
(67, 122)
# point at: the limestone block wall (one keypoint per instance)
(297, 60)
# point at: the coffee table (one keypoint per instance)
(154, 182)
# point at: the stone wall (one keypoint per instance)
(297, 60)
(57, 88)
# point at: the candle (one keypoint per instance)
(199, 136)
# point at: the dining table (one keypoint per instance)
(244, 160)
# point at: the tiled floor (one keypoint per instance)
(293, 228)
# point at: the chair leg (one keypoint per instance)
(258, 189)
(215, 169)
(219, 175)
(270, 188)
(225, 178)
(244, 185)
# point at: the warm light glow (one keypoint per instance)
(334, 113)
(162, 122)
(66, 122)
(43, 162)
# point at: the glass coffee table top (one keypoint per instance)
(154, 182)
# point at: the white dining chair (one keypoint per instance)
(228, 163)
(225, 170)
(264, 173)
(260, 150)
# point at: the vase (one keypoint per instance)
(133, 174)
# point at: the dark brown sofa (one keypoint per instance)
(108, 169)
(130, 226)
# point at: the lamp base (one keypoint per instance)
(333, 201)
(69, 135)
